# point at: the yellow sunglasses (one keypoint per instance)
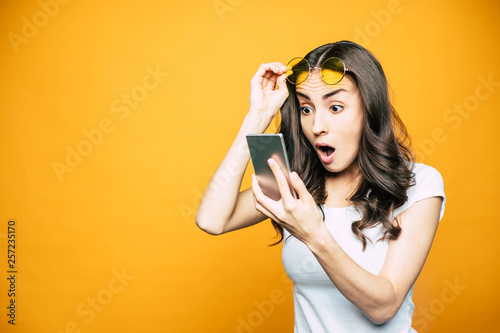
(332, 70)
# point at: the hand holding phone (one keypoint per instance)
(263, 147)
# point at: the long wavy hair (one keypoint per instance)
(384, 155)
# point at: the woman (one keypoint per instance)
(358, 235)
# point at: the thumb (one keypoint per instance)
(281, 83)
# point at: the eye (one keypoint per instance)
(336, 108)
(305, 110)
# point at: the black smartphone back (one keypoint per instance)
(262, 147)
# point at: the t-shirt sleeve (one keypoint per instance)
(428, 183)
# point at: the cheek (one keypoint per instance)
(306, 126)
(357, 130)
(360, 127)
(352, 130)
(357, 133)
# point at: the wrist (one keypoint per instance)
(255, 122)
(321, 240)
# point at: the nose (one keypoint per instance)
(319, 126)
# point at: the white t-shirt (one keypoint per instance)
(319, 306)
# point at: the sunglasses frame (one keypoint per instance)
(316, 67)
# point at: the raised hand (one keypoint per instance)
(268, 89)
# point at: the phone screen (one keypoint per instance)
(262, 147)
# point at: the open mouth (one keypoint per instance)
(326, 150)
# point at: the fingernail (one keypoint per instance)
(295, 176)
(270, 162)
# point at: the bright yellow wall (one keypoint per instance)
(106, 242)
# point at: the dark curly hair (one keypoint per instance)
(384, 156)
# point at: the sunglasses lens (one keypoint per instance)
(332, 70)
(297, 70)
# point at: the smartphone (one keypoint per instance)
(262, 147)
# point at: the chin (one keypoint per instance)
(333, 167)
(330, 170)
(339, 166)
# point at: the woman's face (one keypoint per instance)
(332, 120)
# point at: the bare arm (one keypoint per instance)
(378, 296)
(223, 207)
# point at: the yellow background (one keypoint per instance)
(127, 207)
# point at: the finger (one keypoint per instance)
(271, 76)
(275, 67)
(266, 77)
(281, 84)
(259, 75)
(283, 186)
(271, 67)
(300, 187)
(271, 84)
(262, 202)
(264, 211)
(282, 68)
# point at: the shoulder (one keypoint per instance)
(428, 183)
(426, 176)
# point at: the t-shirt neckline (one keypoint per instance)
(336, 209)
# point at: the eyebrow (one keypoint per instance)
(324, 96)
